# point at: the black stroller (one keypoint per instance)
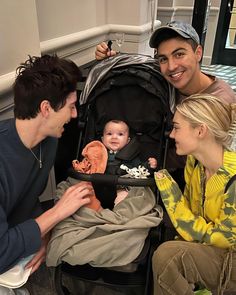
(129, 88)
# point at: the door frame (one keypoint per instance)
(222, 55)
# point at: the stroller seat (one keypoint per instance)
(129, 88)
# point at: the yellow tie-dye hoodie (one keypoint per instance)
(203, 216)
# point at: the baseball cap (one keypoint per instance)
(185, 30)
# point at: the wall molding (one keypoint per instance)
(71, 39)
(168, 8)
(213, 10)
(6, 101)
(78, 42)
(6, 82)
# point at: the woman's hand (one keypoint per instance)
(159, 175)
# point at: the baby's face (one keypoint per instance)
(115, 136)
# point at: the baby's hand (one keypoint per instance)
(152, 163)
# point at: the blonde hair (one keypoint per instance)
(219, 117)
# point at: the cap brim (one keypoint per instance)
(155, 38)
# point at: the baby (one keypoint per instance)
(115, 138)
(97, 160)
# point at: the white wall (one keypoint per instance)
(18, 38)
(57, 18)
(16, 28)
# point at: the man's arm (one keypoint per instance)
(32, 236)
(74, 197)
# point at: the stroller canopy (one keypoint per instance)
(141, 66)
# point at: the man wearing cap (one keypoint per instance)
(179, 54)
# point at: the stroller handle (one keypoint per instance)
(100, 178)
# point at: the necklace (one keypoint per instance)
(40, 158)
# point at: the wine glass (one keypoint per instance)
(120, 38)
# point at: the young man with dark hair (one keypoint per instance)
(179, 54)
(44, 97)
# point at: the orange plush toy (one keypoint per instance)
(94, 161)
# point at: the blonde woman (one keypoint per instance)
(205, 214)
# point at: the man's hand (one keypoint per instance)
(40, 256)
(102, 51)
(75, 197)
